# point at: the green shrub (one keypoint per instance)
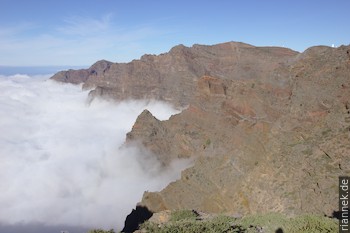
(179, 215)
(269, 222)
(313, 223)
(101, 231)
(300, 224)
(188, 224)
(184, 221)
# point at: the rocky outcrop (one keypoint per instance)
(262, 146)
(72, 76)
(173, 76)
(82, 75)
(269, 127)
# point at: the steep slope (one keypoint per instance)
(264, 147)
(269, 127)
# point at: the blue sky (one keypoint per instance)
(77, 32)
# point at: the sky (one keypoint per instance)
(80, 32)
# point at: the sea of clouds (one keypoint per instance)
(62, 161)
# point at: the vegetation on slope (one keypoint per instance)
(189, 222)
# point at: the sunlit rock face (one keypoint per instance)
(268, 127)
(173, 76)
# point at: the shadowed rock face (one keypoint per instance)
(135, 218)
(269, 127)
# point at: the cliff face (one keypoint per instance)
(264, 146)
(172, 76)
(269, 127)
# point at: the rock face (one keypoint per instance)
(269, 127)
(264, 146)
(173, 76)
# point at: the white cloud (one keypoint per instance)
(85, 26)
(61, 160)
(16, 29)
(77, 41)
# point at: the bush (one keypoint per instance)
(101, 231)
(313, 223)
(188, 224)
(179, 215)
(186, 221)
(300, 224)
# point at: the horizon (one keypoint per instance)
(35, 70)
(12, 69)
(80, 33)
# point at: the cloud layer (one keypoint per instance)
(61, 160)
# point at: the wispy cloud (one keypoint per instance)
(17, 29)
(76, 41)
(82, 26)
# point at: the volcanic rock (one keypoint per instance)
(266, 146)
(267, 126)
(173, 76)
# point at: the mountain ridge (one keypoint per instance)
(171, 76)
(268, 127)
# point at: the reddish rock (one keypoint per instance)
(268, 127)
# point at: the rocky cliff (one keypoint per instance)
(173, 76)
(269, 127)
